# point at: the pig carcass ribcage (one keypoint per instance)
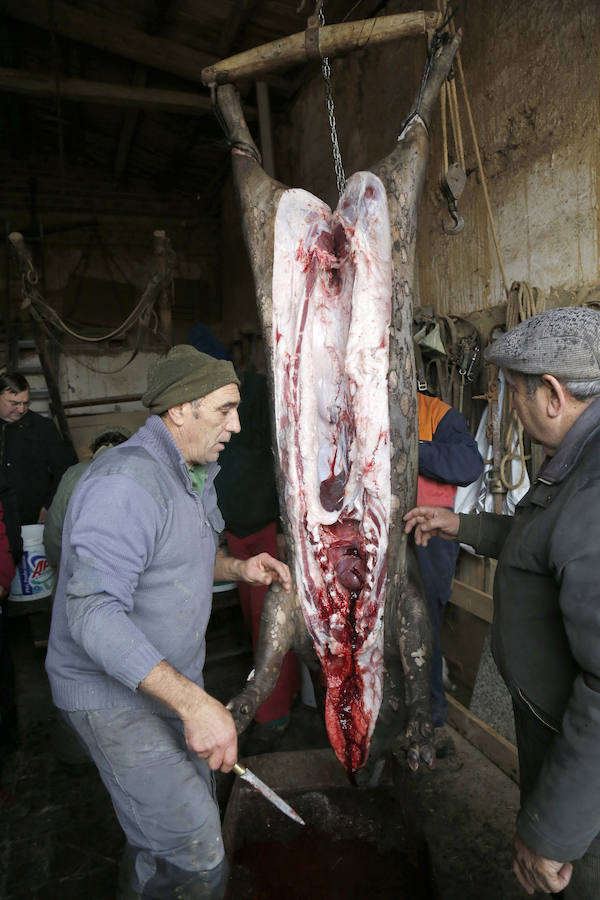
(332, 287)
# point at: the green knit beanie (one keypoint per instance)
(183, 375)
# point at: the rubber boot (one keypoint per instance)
(170, 882)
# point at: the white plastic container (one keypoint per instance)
(35, 577)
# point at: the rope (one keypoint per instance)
(45, 311)
(456, 127)
(482, 174)
(52, 337)
(477, 154)
(523, 302)
(445, 161)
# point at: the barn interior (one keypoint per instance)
(123, 237)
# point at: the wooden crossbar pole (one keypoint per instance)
(333, 40)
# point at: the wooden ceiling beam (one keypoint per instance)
(242, 10)
(105, 33)
(129, 124)
(155, 23)
(18, 81)
(173, 171)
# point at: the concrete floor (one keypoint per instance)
(59, 839)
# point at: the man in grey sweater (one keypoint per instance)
(546, 628)
(127, 642)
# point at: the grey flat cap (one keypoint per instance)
(564, 342)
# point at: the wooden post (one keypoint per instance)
(30, 275)
(165, 275)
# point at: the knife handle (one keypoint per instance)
(238, 769)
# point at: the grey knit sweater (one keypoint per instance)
(135, 582)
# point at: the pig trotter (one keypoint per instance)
(278, 630)
(418, 739)
(408, 637)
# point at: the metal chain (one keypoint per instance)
(340, 175)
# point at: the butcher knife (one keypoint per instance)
(266, 791)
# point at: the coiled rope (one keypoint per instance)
(523, 302)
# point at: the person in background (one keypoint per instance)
(67, 746)
(33, 455)
(9, 555)
(127, 641)
(247, 497)
(546, 626)
(448, 457)
(110, 436)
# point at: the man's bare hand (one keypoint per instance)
(210, 732)
(265, 569)
(209, 727)
(431, 521)
(536, 873)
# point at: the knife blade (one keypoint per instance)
(267, 792)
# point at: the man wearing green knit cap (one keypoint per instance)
(127, 643)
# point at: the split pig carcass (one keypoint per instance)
(334, 294)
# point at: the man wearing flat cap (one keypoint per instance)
(546, 628)
(127, 642)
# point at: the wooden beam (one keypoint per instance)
(242, 10)
(102, 401)
(334, 40)
(477, 602)
(337, 10)
(493, 745)
(28, 290)
(164, 270)
(129, 124)
(155, 23)
(105, 33)
(17, 81)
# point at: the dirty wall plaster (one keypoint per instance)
(532, 78)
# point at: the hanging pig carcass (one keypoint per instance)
(334, 293)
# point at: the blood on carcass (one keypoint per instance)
(332, 289)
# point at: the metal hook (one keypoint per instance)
(453, 184)
(459, 222)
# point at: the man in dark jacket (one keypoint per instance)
(546, 629)
(32, 454)
(11, 547)
(247, 497)
(448, 457)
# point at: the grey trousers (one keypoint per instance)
(164, 799)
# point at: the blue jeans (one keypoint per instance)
(437, 562)
(164, 798)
